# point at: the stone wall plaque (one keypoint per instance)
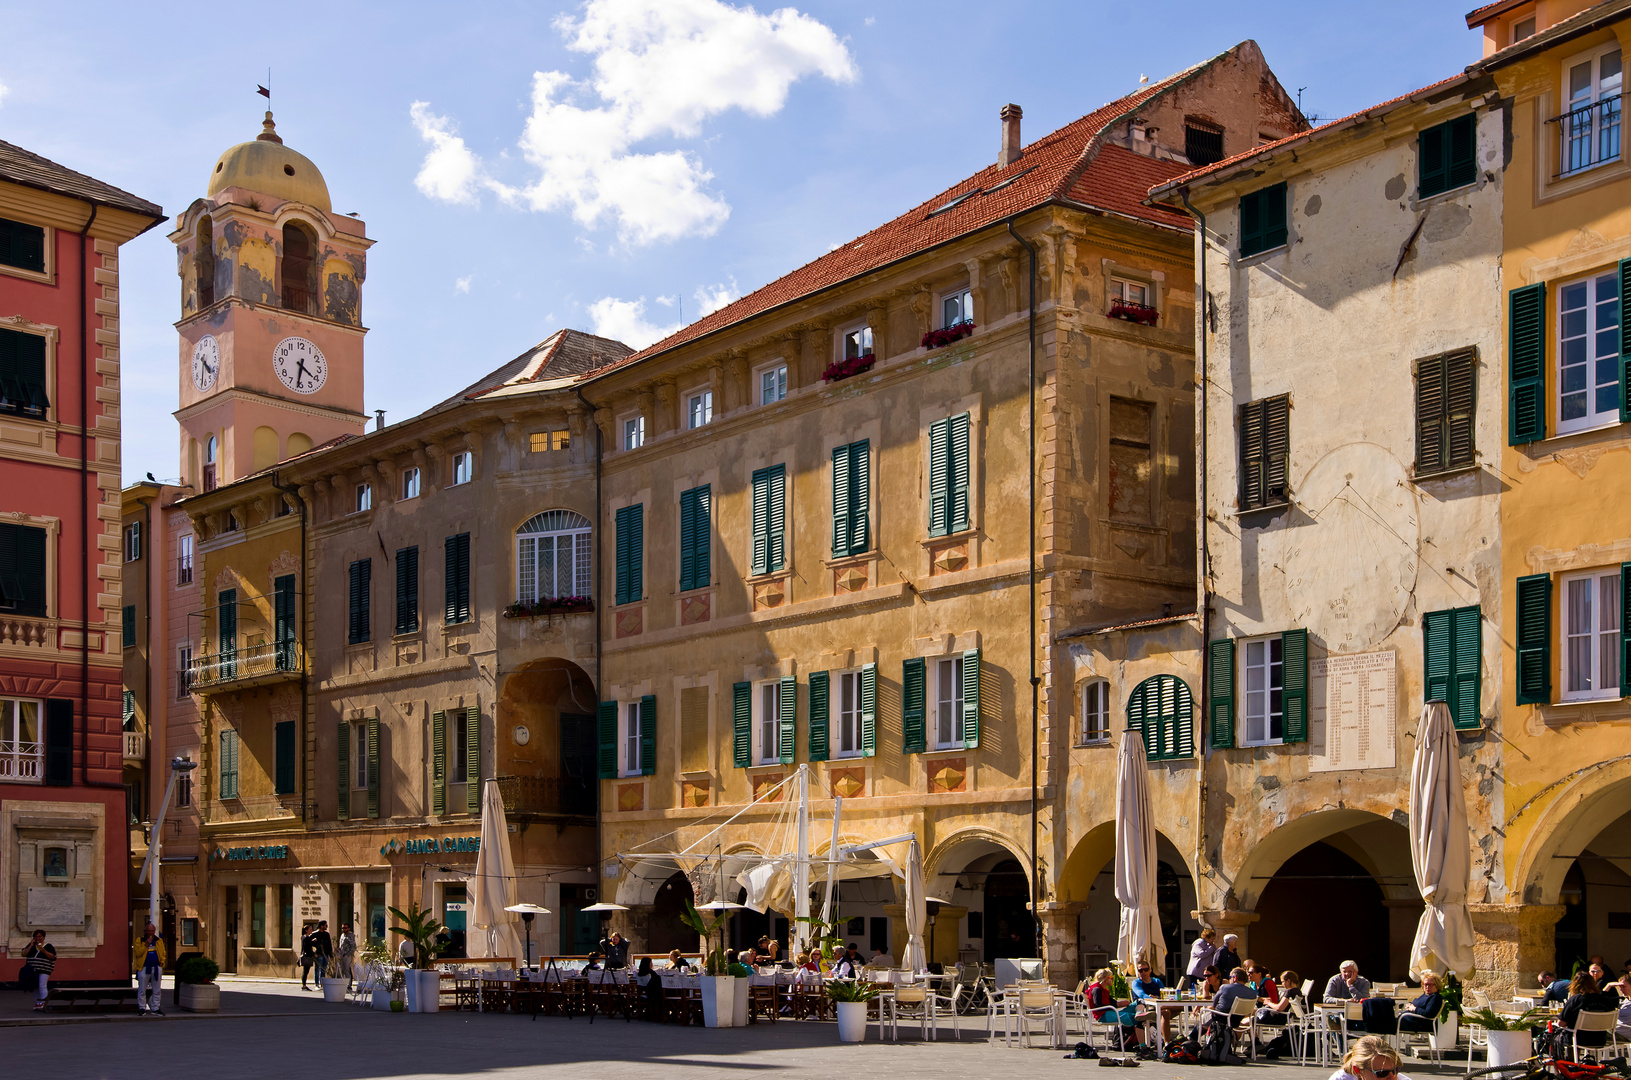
(1353, 712)
(51, 907)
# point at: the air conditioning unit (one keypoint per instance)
(589, 893)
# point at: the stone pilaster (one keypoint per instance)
(1512, 944)
(1061, 958)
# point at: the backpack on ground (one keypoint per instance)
(1182, 1053)
(1082, 1050)
(1215, 1042)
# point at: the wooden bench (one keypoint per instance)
(67, 997)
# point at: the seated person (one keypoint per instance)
(594, 962)
(1146, 985)
(734, 965)
(676, 962)
(810, 961)
(848, 966)
(1347, 985)
(1268, 991)
(1279, 1011)
(1236, 989)
(882, 959)
(1101, 1002)
(1419, 1014)
(1211, 982)
(1622, 1024)
(1585, 997)
(1553, 988)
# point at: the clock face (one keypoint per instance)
(300, 364)
(206, 362)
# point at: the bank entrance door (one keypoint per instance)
(229, 960)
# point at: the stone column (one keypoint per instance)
(878, 319)
(1512, 944)
(1061, 960)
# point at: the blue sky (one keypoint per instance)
(672, 154)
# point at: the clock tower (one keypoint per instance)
(271, 315)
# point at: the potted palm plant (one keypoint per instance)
(1449, 1016)
(718, 985)
(850, 1003)
(376, 977)
(1509, 1038)
(195, 977)
(424, 982)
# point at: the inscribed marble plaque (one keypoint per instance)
(1353, 712)
(56, 907)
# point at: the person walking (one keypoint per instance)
(322, 947)
(347, 953)
(147, 960)
(308, 955)
(39, 960)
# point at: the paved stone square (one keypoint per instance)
(273, 1030)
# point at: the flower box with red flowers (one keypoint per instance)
(936, 339)
(550, 605)
(843, 369)
(1138, 313)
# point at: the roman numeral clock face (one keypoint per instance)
(300, 365)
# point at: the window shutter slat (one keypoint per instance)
(842, 499)
(695, 562)
(648, 735)
(1251, 455)
(971, 699)
(1430, 414)
(1294, 680)
(1276, 448)
(1460, 395)
(939, 478)
(472, 760)
(227, 766)
(1462, 163)
(869, 710)
(1625, 355)
(820, 691)
(742, 724)
(1221, 692)
(1434, 176)
(630, 553)
(957, 434)
(761, 522)
(860, 508)
(59, 742)
(407, 590)
(786, 733)
(1438, 643)
(776, 554)
(1534, 676)
(438, 763)
(373, 766)
(284, 756)
(1468, 668)
(1526, 347)
(914, 731)
(606, 739)
(342, 766)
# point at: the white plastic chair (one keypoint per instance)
(1294, 1027)
(908, 998)
(1595, 1021)
(1037, 1005)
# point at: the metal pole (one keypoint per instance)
(801, 870)
(155, 840)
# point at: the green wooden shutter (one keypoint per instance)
(742, 723)
(760, 560)
(438, 763)
(407, 590)
(606, 739)
(358, 628)
(283, 739)
(1625, 367)
(695, 535)
(820, 699)
(971, 699)
(1262, 219)
(127, 626)
(283, 622)
(786, 733)
(129, 710)
(1468, 670)
(648, 735)
(472, 760)
(776, 541)
(630, 553)
(957, 452)
(22, 569)
(1460, 396)
(342, 765)
(456, 578)
(226, 619)
(1534, 675)
(59, 743)
(1526, 348)
(869, 710)
(228, 765)
(1433, 162)
(913, 695)
(1438, 644)
(860, 480)
(1625, 623)
(1463, 147)
(1221, 692)
(1294, 680)
(373, 766)
(939, 477)
(1430, 414)
(842, 500)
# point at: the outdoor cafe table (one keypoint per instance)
(1171, 1010)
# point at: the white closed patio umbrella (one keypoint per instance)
(915, 959)
(493, 888)
(1440, 848)
(1140, 937)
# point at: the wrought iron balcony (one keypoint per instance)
(255, 665)
(549, 796)
(1588, 136)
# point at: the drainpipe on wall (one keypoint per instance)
(594, 584)
(1030, 574)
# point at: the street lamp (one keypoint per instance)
(155, 843)
(527, 911)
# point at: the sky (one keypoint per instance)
(616, 166)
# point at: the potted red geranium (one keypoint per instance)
(944, 336)
(843, 369)
(1142, 314)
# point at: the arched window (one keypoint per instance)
(552, 557)
(1095, 712)
(297, 285)
(1162, 708)
(209, 463)
(204, 262)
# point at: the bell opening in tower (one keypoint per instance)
(297, 270)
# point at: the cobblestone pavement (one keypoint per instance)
(275, 1031)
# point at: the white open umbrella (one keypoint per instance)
(917, 911)
(1440, 849)
(1141, 937)
(492, 888)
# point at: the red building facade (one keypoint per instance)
(63, 807)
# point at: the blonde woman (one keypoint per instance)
(1370, 1058)
(1202, 954)
(1418, 1015)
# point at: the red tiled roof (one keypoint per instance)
(1478, 16)
(1068, 165)
(563, 353)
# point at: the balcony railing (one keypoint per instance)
(1588, 136)
(135, 746)
(28, 633)
(267, 662)
(549, 795)
(22, 762)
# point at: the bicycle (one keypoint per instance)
(1548, 1066)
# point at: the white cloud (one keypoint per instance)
(713, 297)
(4, 90)
(661, 69)
(625, 321)
(667, 301)
(462, 285)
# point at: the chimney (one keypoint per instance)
(1011, 114)
(379, 419)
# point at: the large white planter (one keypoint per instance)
(382, 1000)
(718, 1000)
(200, 997)
(739, 1012)
(851, 1021)
(430, 990)
(333, 990)
(1449, 1029)
(1509, 1047)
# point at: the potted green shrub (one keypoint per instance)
(1449, 1016)
(423, 981)
(850, 1002)
(1509, 1039)
(195, 981)
(718, 985)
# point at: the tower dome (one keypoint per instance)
(267, 166)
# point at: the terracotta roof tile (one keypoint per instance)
(31, 170)
(563, 353)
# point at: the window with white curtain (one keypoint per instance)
(1591, 635)
(552, 557)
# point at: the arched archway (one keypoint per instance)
(981, 873)
(1089, 879)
